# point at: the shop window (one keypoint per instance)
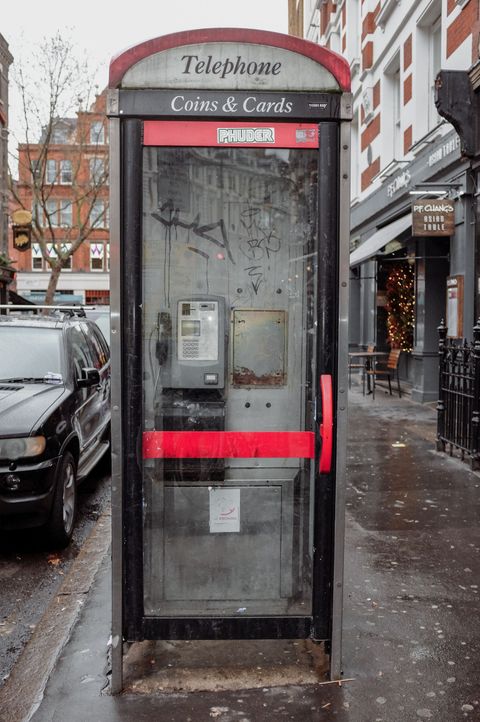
(97, 297)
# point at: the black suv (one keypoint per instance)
(54, 417)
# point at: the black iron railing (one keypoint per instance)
(459, 395)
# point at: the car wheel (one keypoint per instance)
(62, 518)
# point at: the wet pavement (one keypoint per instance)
(412, 629)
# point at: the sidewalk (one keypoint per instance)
(412, 629)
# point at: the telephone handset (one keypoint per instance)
(196, 358)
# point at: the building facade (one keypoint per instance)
(405, 156)
(6, 60)
(69, 201)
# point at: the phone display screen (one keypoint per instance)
(190, 328)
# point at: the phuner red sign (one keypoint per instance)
(433, 218)
(208, 133)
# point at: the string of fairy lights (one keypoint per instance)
(400, 307)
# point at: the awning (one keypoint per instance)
(379, 239)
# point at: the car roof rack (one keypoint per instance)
(25, 308)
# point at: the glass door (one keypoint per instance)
(229, 308)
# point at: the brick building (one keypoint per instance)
(403, 150)
(70, 200)
(5, 61)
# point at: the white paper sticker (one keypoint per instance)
(224, 510)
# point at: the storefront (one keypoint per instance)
(399, 278)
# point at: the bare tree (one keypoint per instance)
(63, 159)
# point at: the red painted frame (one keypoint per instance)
(330, 60)
(204, 133)
(326, 428)
(228, 444)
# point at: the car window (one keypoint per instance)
(28, 352)
(81, 352)
(102, 342)
(98, 352)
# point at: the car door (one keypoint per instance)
(86, 413)
(101, 361)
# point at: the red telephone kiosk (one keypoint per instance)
(229, 236)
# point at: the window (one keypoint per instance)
(51, 172)
(428, 60)
(397, 115)
(64, 248)
(58, 213)
(435, 60)
(81, 352)
(97, 254)
(17, 359)
(97, 170)
(97, 132)
(99, 214)
(36, 169)
(66, 172)
(392, 146)
(37, 258)
(66, 214)
(99, 347)
(51, 213)
(59, 134)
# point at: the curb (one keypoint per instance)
(23, 692)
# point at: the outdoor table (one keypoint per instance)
(371, 358)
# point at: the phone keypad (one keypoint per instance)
(190, 349)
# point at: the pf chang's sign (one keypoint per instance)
(433, 218)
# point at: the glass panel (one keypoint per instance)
(17, 360)
(229, 282)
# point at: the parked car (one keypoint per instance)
(54, 417)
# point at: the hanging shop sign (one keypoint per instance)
(22, 229)
(433, 218)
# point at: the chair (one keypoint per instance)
(387, 372)
(355, 365)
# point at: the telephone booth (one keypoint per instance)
(229, 253)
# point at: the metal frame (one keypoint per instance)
(116, 426)
(342, 408)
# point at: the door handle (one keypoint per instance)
(326, 427)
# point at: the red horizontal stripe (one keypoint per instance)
(204, 133)
(228, 444)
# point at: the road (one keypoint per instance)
(31, 572)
